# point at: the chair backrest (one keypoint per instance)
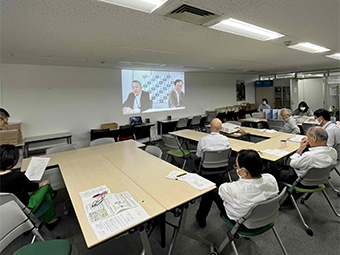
(142, 132)
(99, 133)
(210, 116)
(13, 223)
(126, 132)
(196, 120)
(154, 150)
(316, 176)
(102, 141)
(182, 123)
(263, 213)
(275, 124)
(61, 148)
(306, 126)
(221, 116)
(229, 115)
(170, 142)
(216, 158)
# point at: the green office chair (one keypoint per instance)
(215, 162)
(177, 150)
(259, 219)
(52, 247)
(315, 178)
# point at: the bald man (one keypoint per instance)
(214, 141)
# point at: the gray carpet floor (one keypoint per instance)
(316, 211)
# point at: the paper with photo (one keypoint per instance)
(36, 168)
(88, 194)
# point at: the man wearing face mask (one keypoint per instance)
(303, 110)
(234, 199)
(264, 105)
(323, 117)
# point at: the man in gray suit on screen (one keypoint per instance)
(176, 96)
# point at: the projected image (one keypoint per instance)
(151, 91)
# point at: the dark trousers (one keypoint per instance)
(206, 203)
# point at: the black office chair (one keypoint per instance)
(195, 123)
(126, 132)
(99, 133)
(221, 116)
(210, 116)
(142, 134)
(241, 114)
(229, 115)
(182, 124)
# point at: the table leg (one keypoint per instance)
(145, 241)
(25, 152)
(183, 231)
(162, 229)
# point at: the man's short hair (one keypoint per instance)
(323, 113)
(178, 80)
(250, 160)
(9, 155)
(4, 114)
(319, 132)
(135, 81)
(286, 111)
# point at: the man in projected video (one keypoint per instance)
(138, 100)
(176, 96)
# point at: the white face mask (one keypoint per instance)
(317, 121)
(302, 108)
(264, 102)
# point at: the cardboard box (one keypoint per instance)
(113, 125)
(9, 138)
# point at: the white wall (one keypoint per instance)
(312, 92)
(52, 99)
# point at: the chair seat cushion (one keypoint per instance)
(306, 190)
(178, 153)
(52, 247)
(243, 231)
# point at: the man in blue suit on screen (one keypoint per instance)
(138, 101)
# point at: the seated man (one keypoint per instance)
(236, 198)
(214, 141)
(289, 123)
(323, 117)
(318, 156)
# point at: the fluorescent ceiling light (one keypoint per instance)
(140, 5)
(334, 56)
(309, 47)
(237, 27)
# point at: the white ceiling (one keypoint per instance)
(88, 32)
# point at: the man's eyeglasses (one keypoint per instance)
(98, 201)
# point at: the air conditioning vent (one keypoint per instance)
(192, 14)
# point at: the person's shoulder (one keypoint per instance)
(269, 177)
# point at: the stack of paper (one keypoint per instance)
(276, 152)
(297, 138)
(270, 131)
(113, 213)
(194, 180)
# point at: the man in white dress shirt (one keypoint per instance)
(176, 96)
(214, 141)
(236, 198)
(318, 156)
(323, 118)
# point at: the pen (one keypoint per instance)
(181, 174)
(100, 194)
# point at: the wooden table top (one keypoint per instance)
(60, 157)
(149, 173)
(90, 172)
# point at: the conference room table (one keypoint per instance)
(122, 166)
(236, 145)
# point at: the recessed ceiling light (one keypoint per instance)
(309, 47)
(334, 56)
(140, 5)
(238, 27)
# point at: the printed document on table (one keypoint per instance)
(173, 174)
(197, 181)
(88, 194)
(116, 223)
(36, 168)
(296, 139)
(110, 205)
(276, 152)
(270, 131)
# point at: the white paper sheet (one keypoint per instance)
(296, 139)
(194, 180)
(270, 131)
(88, 194)
(116, 223)
(276, 152)
(172, 175)
(36, 168)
